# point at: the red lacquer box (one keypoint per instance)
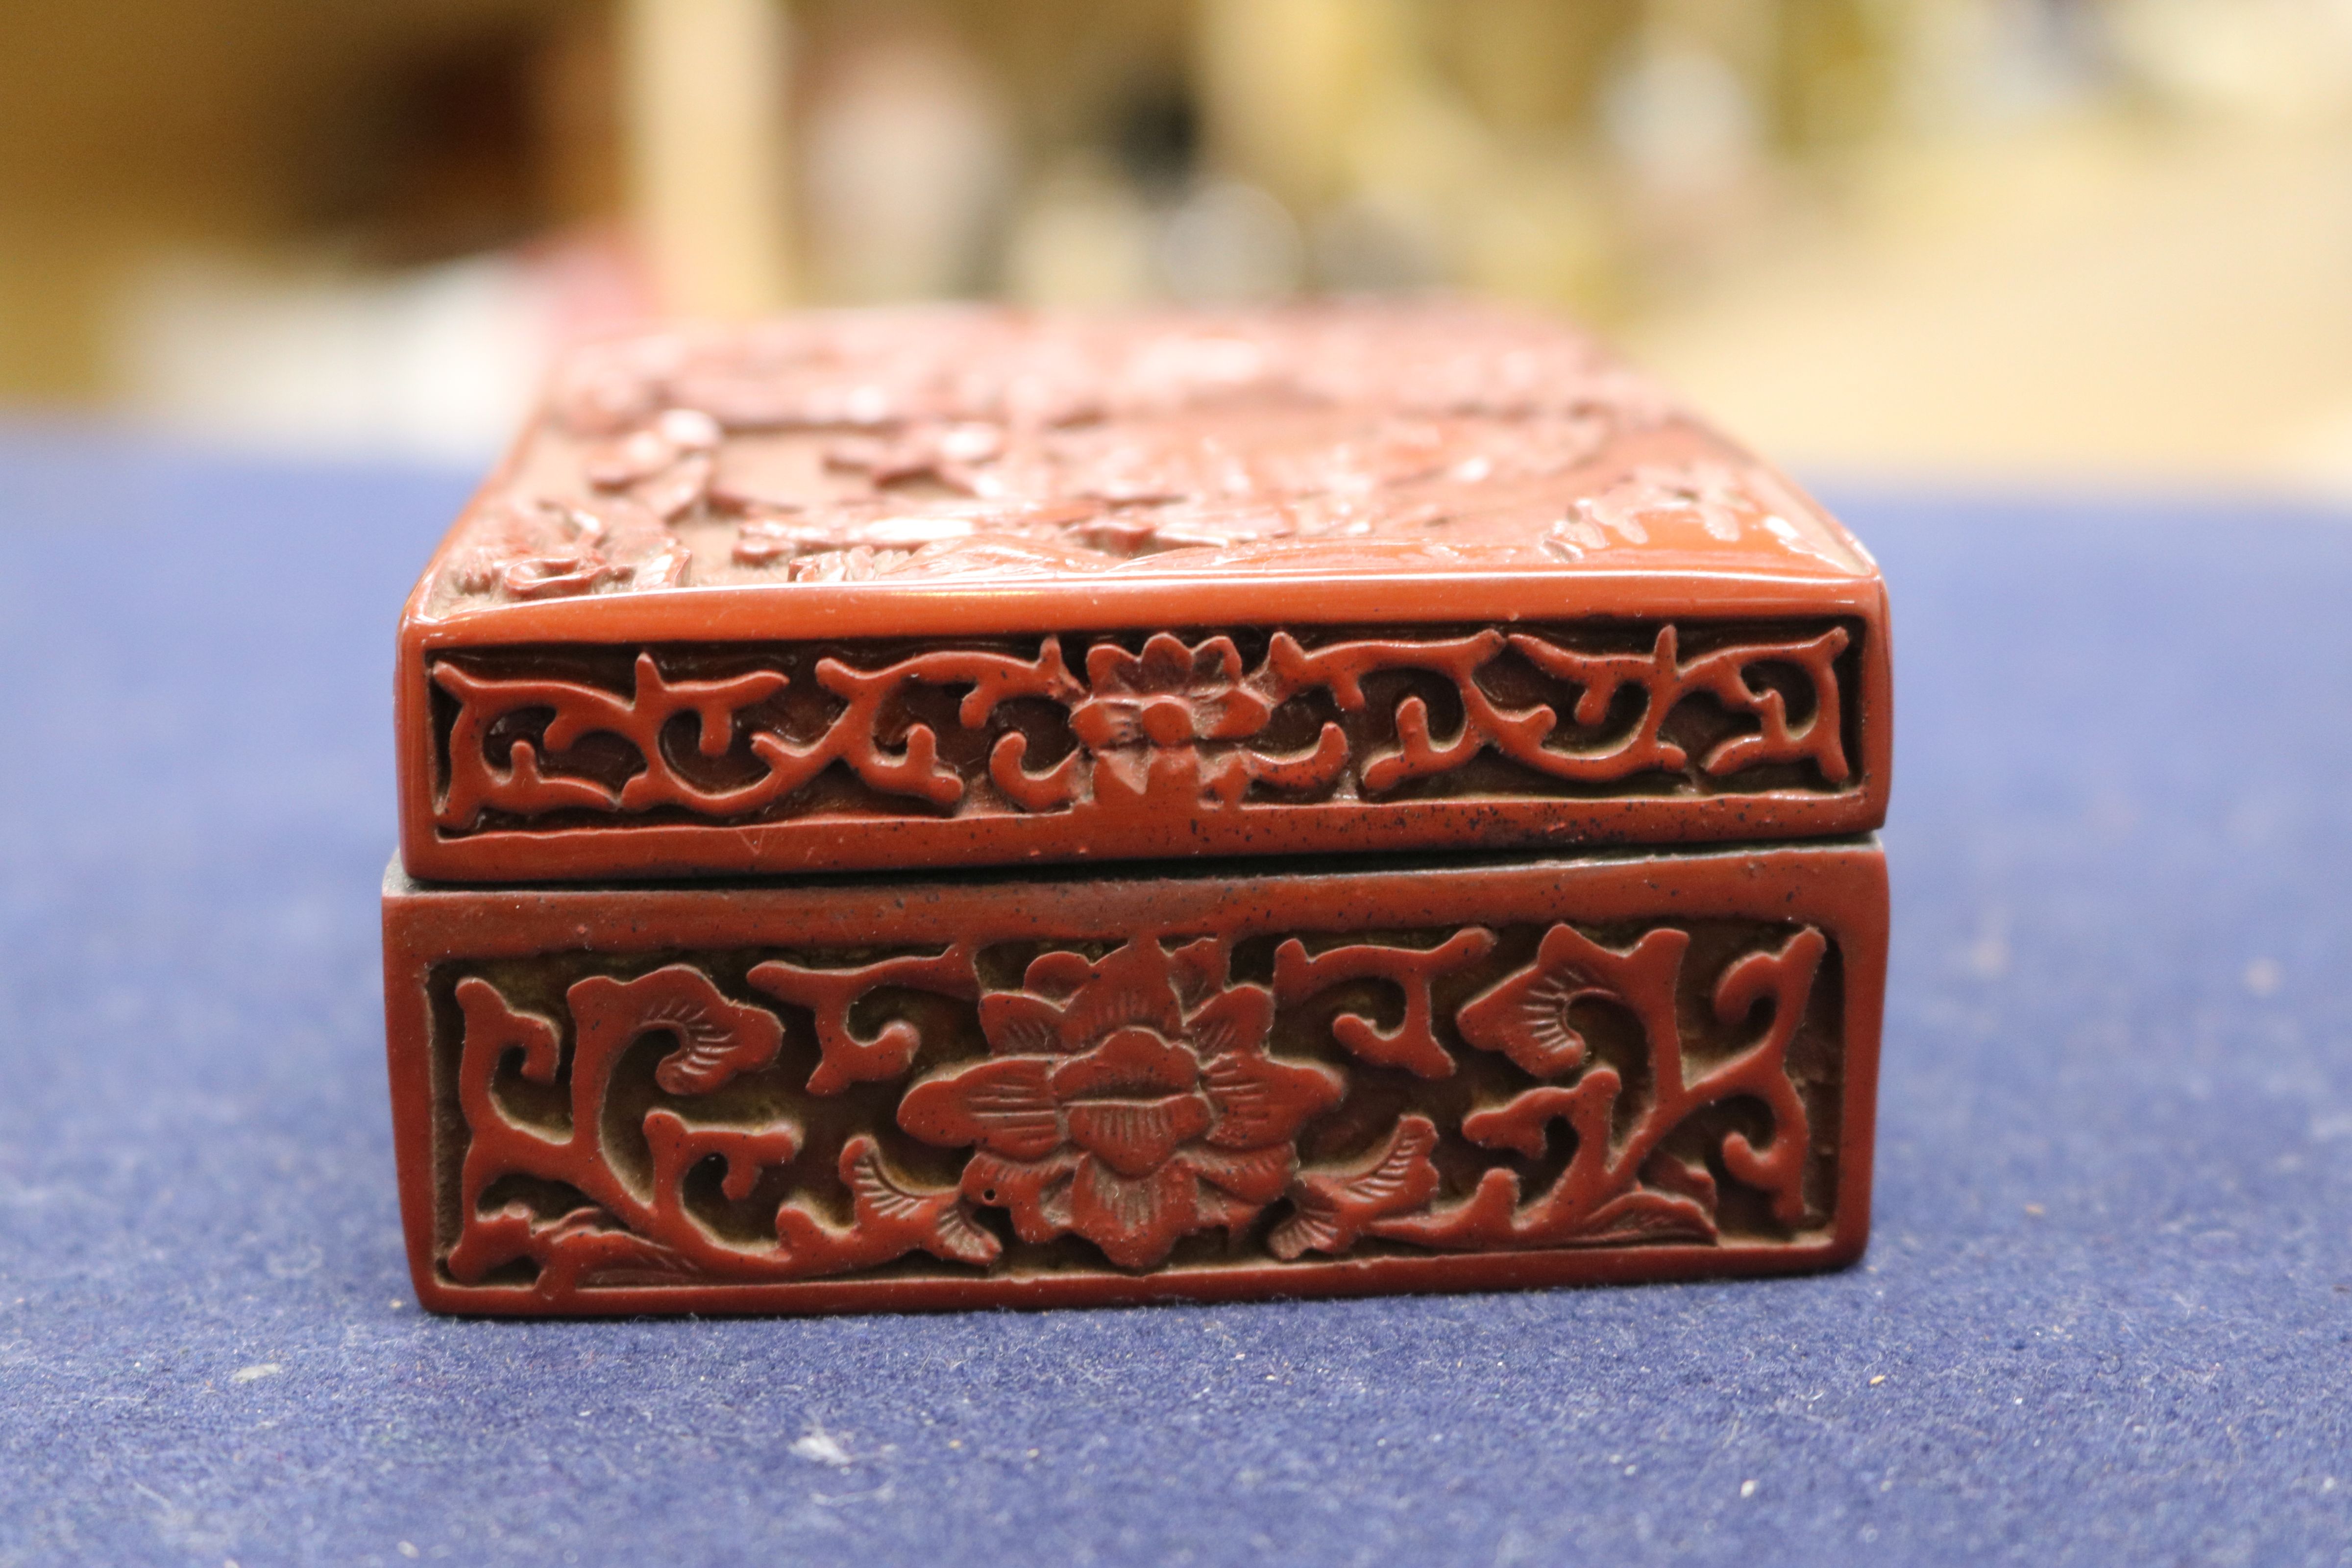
(951, 807)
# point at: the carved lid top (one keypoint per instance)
(969, 469)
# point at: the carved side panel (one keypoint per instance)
(1159, 1098)
(1085, 729)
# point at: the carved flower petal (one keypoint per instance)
(1001, 1104)
(1167, 665)
(1230, 715)
(1256, 1177)
(1262, 1100)
(1135, 1222)
(1112, 671)
(1198, 970)
(1129, 1062)
(1237, 1021)
(1168, 720)
(1217, 662)
(1135, 1137)
(1214, 1210)
(1106, 724)
(1121, 773)
(1030, 1189)
(1020, 1025)
(1058, 974)
(1132, 985)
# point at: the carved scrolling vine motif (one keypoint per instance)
(1178, 724)
(1132, 1101)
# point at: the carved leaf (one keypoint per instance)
(1527, 1015)
(1598, 1196)
(948, 1231)
(718, 1039)
(1329, 1211)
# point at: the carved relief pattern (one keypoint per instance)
(645, 1231)
(982, 441)
(1122, 1100)
(912, 446)
(1130, 1101)
(1179, 726)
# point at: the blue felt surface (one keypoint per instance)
(2110, 1297)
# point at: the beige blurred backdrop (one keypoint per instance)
(1984, 241)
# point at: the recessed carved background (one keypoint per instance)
(1172, 726)
(991, 1107)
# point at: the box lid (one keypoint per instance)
(962, 586)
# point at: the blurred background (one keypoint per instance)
(2039, 241)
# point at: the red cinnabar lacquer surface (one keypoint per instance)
(967, 587)
(1046, 1089)
(1357, 797)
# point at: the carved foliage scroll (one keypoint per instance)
(1124, 1100)
(643, 1229)
(1176, 726)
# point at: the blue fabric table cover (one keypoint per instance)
(2106, 1317)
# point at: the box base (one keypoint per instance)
(1205, 1083)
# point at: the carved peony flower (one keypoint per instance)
(1130, 1101)
(1170, 695)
